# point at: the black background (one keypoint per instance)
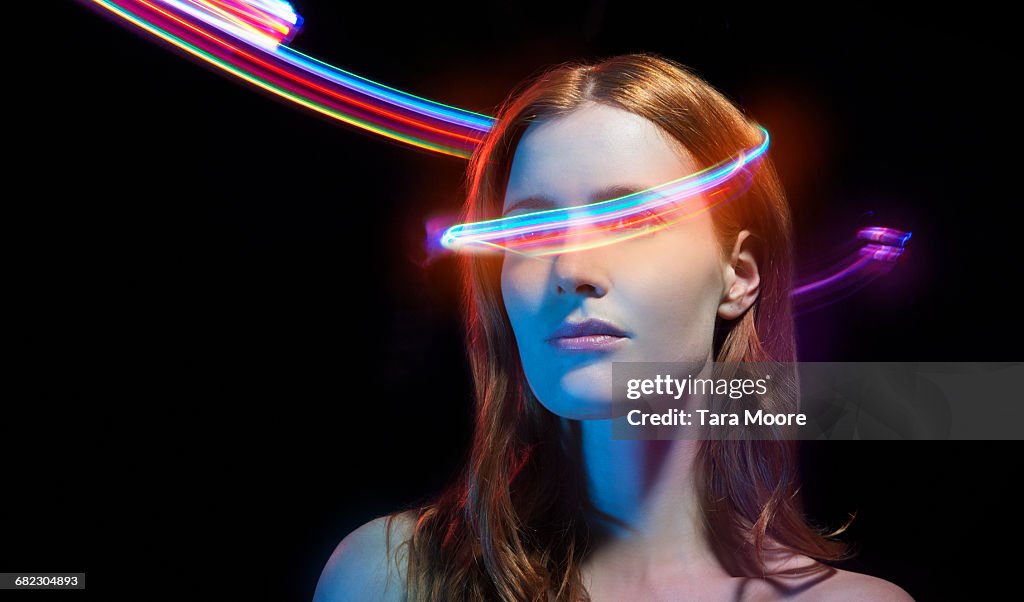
(228, 356)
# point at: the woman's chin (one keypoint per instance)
(583, 394)
(574, 408)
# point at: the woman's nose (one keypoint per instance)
(580, 273)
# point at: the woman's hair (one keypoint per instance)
(512, 525)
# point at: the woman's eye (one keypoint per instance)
(645, 220)
(525, 236)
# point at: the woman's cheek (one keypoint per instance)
(669, 270)
(671, 295)
(521, 286)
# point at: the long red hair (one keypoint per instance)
(511, 526)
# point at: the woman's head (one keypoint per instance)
(712, 287)
(514, 526)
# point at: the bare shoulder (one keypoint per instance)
(846, 585)
(822, 583)
(833, 584)
(369, 563)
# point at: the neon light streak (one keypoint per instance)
(867, 263)
(545, 232)
(246, 38)
(243, 38)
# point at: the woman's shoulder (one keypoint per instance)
(369, 563)
(845, 585)
(831, 583)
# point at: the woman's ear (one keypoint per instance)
(742, 278)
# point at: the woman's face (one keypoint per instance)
(655, 296)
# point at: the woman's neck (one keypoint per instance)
(650, 487)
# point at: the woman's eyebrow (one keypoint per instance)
(536, 202)
(539, 202)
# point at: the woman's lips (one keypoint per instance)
(589, 335)
(590, 342)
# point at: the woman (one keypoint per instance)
(550, 505)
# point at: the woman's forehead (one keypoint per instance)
(594, 148)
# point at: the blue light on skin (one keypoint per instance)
(664, 289)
